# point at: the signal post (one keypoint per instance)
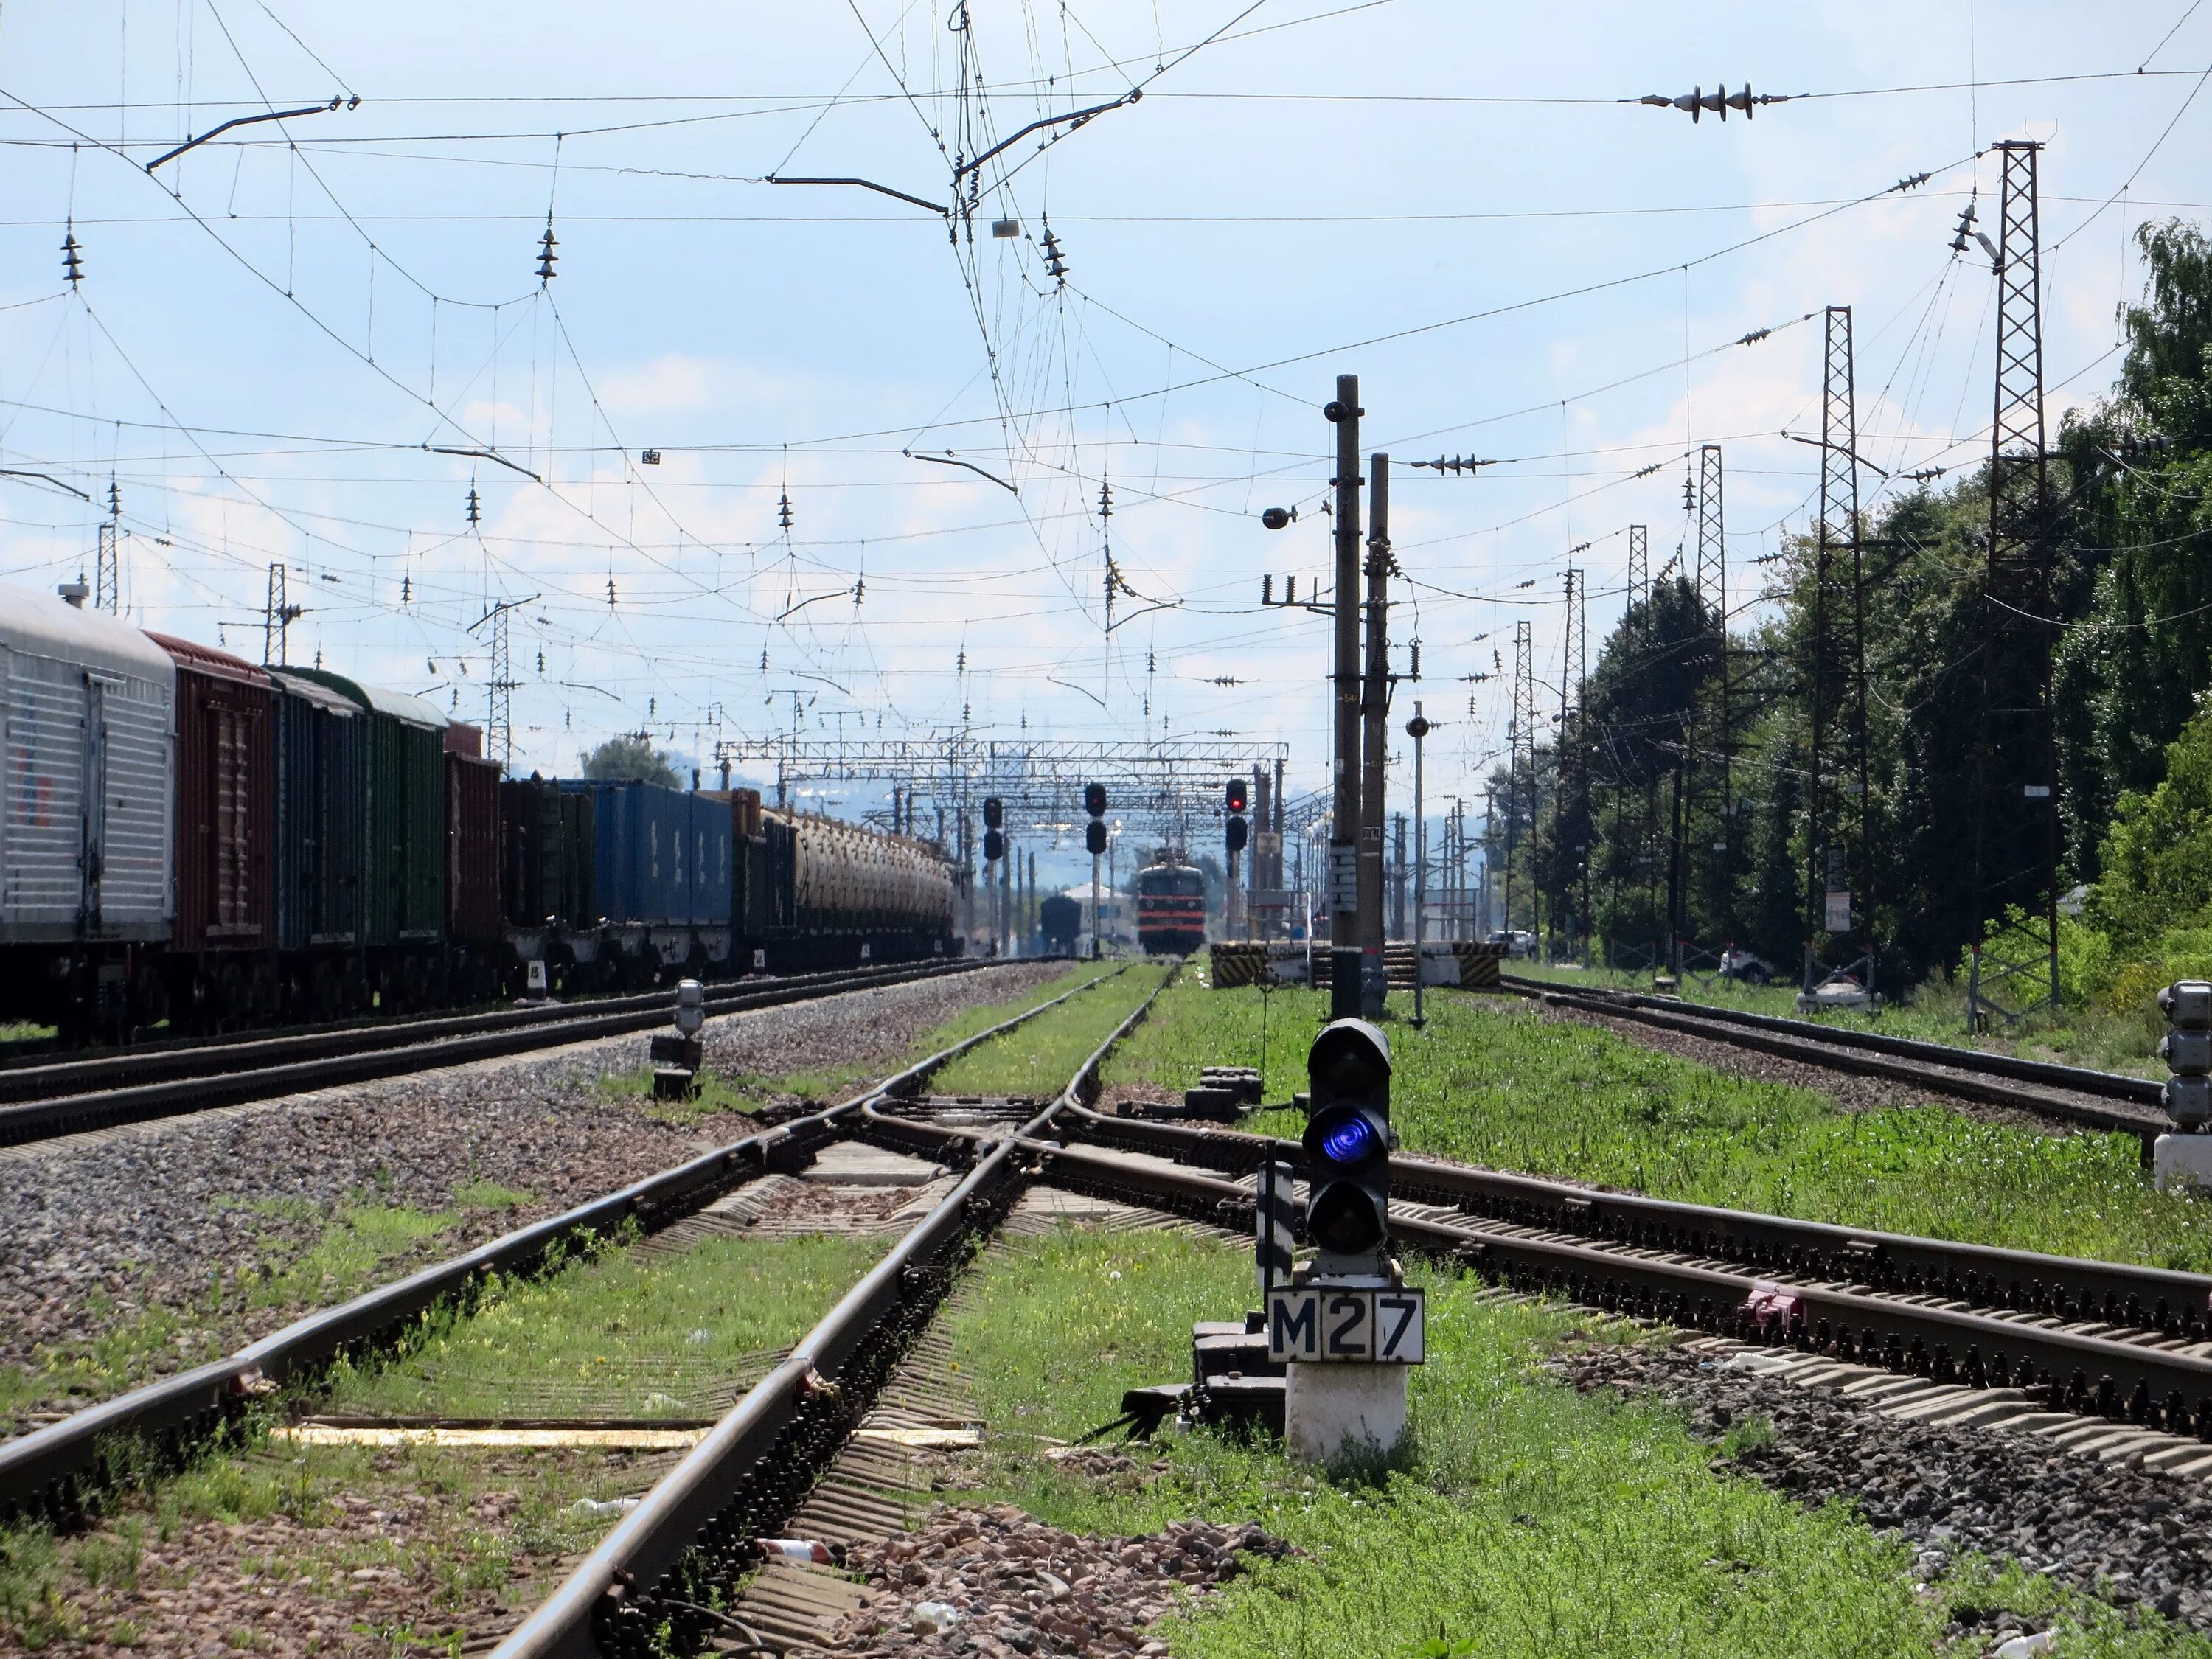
(1346, 1326)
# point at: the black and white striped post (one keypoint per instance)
(1273, 1227)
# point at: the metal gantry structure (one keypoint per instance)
(2015, 966)
(1837, 848)
(1168, 791)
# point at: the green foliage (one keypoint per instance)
(2131, 594)
(631, 756)
(2158, 853)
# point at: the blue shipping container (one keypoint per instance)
(662, 855)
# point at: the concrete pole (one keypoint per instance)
(1375, 711)
(1345, 1001)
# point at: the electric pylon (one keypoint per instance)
(1713, 765)
(2016, 807)
(1521, 743)
(1838, 858)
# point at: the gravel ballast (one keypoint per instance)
(181, 1220)
(2130, 1535)
(998, 1583)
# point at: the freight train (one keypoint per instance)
(184, 837)
(1170, 907)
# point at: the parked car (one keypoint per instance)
(1743, 966)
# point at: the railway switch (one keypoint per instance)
(2185, 1159)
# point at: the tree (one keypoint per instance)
(631, 756)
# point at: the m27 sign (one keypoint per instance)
(1346, 1324)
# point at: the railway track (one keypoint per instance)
(2089, 1099)
(63, 1097)
(2116, 1357)
(57, 1466)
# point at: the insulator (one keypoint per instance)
(407, 590)
(541, 661)
(115, 499)
(72, 256)
(1105, 500)
(1290, 590)
(475, 507)
(611, 592)
(783, 510)
(1267, 590)
(651, 706)
(546, 256)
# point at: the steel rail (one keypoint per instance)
(2177, 1305)
(750, 1471)
(1966, 1072)
(281, 1066)
(54, 1467)
(2077, 1370)
(38, 1077)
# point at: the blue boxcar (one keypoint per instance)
(662, 856)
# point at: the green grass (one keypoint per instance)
(613, 1334)
(630, 1335)
(748, 1092)
(360, 1246)
(2108, 1039)
(480, 1525)
(1038, 1059)
(1489, 1081)
(1524, 1519)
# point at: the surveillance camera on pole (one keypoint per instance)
(1348, 1325)
(2184, 1158)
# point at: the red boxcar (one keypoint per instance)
(222, 967)
(225, 799)
(474, 842)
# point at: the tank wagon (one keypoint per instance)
(187, 836)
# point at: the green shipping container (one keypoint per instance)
(405, 801)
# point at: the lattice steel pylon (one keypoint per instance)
(2014, 968)
(1571, 819)
(1838, 851)
(1639, 564)
(1521, 750)
(107, 570)
(1714, 769)
(499, 696)
(277, 615)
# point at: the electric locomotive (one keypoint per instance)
(1171, 906)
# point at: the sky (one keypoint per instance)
(284, 336)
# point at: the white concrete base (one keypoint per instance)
(1330, 1410)
(2182, 1161)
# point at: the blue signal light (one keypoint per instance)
(1349, 1142)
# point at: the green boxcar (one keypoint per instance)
(406, 803)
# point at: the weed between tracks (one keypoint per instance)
(1492, 1082)
(1525, 1519)
(277, 1548)
(2111, 1039)
(1037, 1060)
